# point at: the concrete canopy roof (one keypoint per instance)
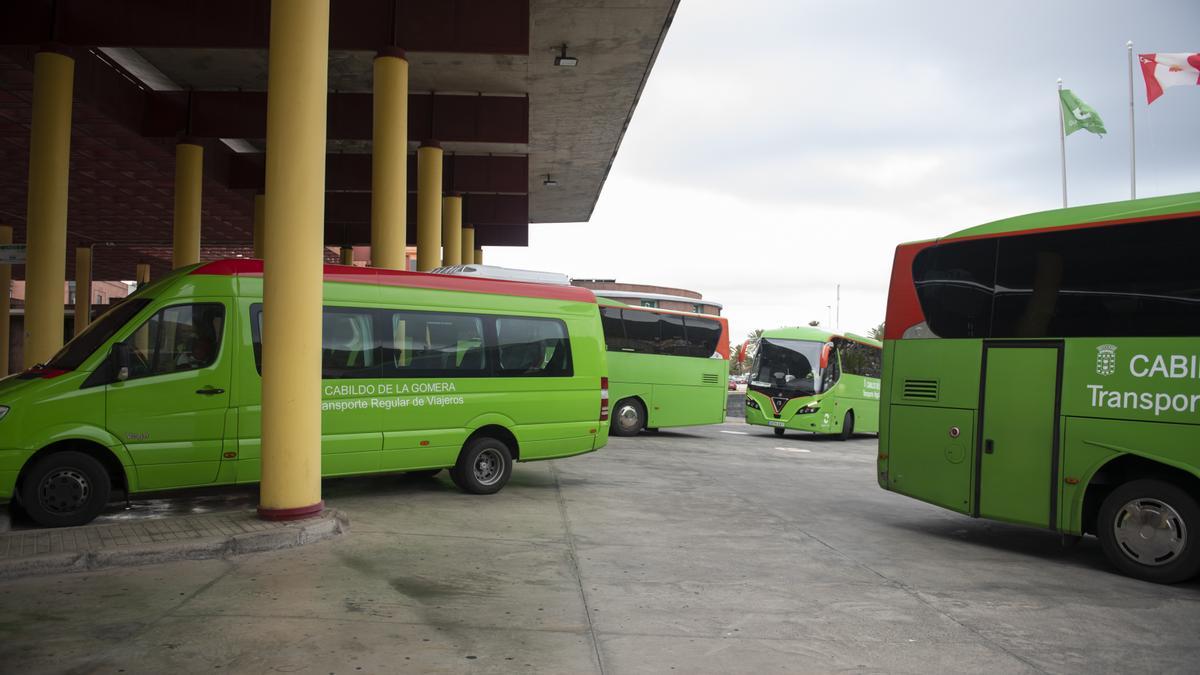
(482, 76)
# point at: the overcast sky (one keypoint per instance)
(781, 148)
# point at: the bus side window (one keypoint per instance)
(614, 329)
(433, 344)
(180, 337)
(528, 346)
(671, 338)
(348, 346)
(702, 336)
(641, 330)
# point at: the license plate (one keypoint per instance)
(776, 423)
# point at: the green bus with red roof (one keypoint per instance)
(420, 373)
(1044, 370)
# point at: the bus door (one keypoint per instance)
(1017, 455)
(168, 403)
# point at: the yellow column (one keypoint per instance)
(347, 255)
(297, 89)
(479, 256)
(46, 210)
(452, 230)
(429, 205)
(143, 274)
(83, 288)
(389, 160)
(5, 302)
(468, 245)
(189, 179)
(260, 224)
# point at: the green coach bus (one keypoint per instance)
(420, 373)
(810, 379)
(666, 368)
(1045, 370)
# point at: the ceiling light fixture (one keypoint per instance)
(550, 182)
(564, 60)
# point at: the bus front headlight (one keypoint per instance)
(3, 411)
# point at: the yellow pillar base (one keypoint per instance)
(293, 269)
(5, 302)
(189, 182)
(389, 160)
(46, 210)
(468, 245)
(452, 208)
(479, 256)
(83, 289)
(429, 206)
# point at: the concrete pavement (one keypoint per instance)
(717, 549)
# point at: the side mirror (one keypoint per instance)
(826, 351)
(122, 357)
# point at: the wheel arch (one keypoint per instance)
(119, 473)
(498, 432)
(1124, 468)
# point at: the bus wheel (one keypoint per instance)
(483, 467)
(847, 426)
(65, 489)
(1149, 529)
(628, 417)
(778, 431)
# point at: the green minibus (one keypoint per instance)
(1045, 370)
(666, 368)
(420, 373)
(811, 379)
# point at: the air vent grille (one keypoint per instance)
(710, 378)
(921, 390)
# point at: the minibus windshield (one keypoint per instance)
(77, 350)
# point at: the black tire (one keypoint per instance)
(847, 426)
(628, 417)
(1172, 553)
(423, 473)
(484, 466)
(65, 489)
(778, 431)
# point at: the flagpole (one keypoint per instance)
(1132, 139)
(1062, 142)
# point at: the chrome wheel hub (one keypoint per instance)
(1150, 531)
(64, 491)
(489, 466)
(627, 417)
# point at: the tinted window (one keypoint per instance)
(703, 336)
(177, 338)
(532, 347)
(348, 345)
(641, 331)
(671, 337)
(614, 328)
(429, 344)
(955, 283)
(1118, 280)
(860, 359)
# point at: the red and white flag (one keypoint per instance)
(1168, 70)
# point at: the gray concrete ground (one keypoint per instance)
(720, 549)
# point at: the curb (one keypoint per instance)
(331, 523)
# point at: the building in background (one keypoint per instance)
(645, 295)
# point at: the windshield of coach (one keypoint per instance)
(788, 365)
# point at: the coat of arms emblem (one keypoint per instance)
(1106, 359)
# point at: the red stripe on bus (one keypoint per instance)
(440, 282)
(903, 306)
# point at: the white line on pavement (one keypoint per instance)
(794, 449)
(739, 433)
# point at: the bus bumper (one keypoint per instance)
(816, 422)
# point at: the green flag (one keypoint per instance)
(1079, 115)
